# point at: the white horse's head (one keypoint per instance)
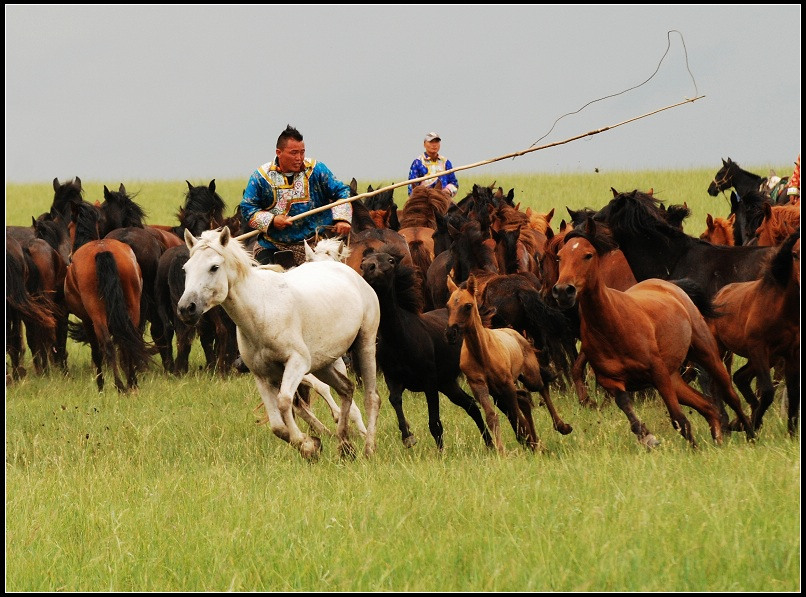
(327, 249)
(216, 260)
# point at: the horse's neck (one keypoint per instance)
(247, 297)
(647, 263)
(598, 307)
(477, 337)
(744, 181)
(391, 314)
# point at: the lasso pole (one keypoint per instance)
(474, 165)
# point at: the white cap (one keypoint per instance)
(432, 136)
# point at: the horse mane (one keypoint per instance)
(232, 250)
(334, 249)
(676, 214)
(86, 218)
(420, 206)
(65, 195)
(205, 200)
(777, 272)
(601, 241)
(408, 282)
(778, 223)
(470, 252)
(639, 214)
(120, 209)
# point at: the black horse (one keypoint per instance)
(655, 249)
(413, 352)
(731, 175)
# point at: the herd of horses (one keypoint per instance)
(428, 295)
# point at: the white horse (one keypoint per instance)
(289, 324)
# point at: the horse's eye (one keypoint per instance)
(214, 268)
(392, 260)
(467, 307)
(588, 256)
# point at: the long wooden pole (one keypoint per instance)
(474, 165)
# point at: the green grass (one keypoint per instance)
(176, 488)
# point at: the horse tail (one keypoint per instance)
(121, 326)
(549, 329)
(33, 307)
(420, 255)
(704, 303)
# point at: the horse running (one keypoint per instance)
(492, 361)
(761, 322)
(289, 324)
(641, 337)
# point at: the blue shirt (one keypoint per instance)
(269, 193)
(423, 165)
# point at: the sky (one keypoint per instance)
(145, 92)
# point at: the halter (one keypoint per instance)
(726, 179)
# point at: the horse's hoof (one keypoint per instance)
(409, 441)
(347, 450)
(565, 429)
(310, 447)
(649, 441)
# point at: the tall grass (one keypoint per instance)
(176, 487)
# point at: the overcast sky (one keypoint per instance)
(123, 93)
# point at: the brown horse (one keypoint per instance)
(719, 231)
(641, 338)
(103, 288)
(761, 322)
(493, 360)
(780, 221)
(616, 273)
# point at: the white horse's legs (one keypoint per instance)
(295, 369)
(279, 407)
(365, 348)
(322, 388)
(337, 377)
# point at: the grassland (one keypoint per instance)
(176, 488)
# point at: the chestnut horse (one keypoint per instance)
(761, 322)
(103, 288)
(641, 337)
(493, 360)
(719, 231)
(780, 221)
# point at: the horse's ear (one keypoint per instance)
(78, 182)
(767, 210)
(614, 191)
(724, 163)
(33, 221)
(732, 218)
(225, 236)
(55, 184)
(471, 284)
(190, 186)
(369, 189)
(563, 225)
(309, 254)
(354, 186)
(590, 227)
(452, 287)
(122, 189)
(438, 185)
(528, 212)
(709, 221)
(211, 186)
(549, 215)
(190, 240)
(106, 192)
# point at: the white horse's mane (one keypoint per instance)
(233, 251)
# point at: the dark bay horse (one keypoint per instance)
(655, 249)
(22, 307)
(641, 338)
(760, 320)
(103, 288)
(413, 352)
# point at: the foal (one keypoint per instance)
(492, 361)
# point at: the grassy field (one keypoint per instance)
(176, 488)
